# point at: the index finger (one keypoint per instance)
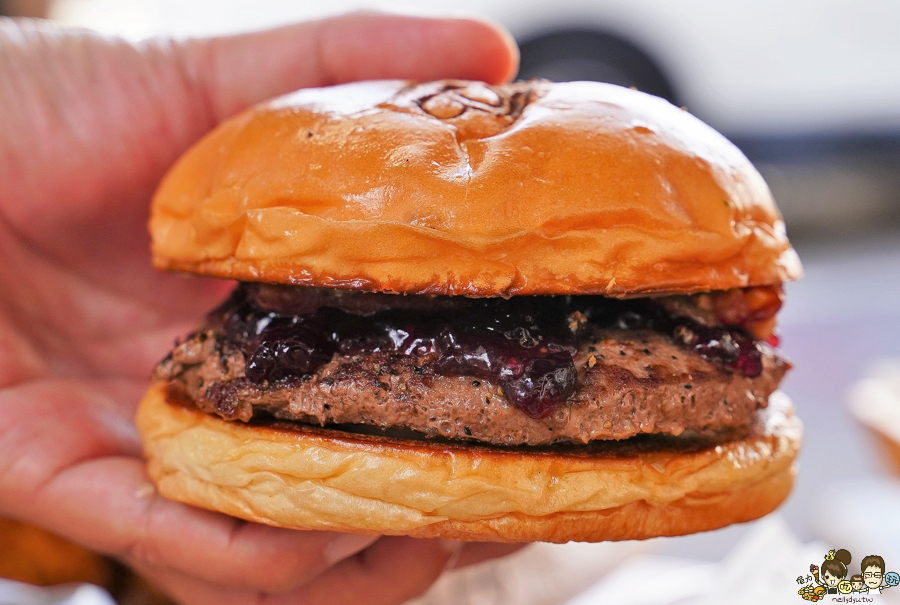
(110, 506)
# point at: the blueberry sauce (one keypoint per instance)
(525, 344)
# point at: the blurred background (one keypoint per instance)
(810, 91)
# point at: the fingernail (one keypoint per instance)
(145, 490)
(451, 546)
(454, 549)
(346, 545)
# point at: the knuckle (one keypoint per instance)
(283, 578)
(144, 551)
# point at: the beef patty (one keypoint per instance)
(629, 381)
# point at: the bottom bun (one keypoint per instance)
(305, 477)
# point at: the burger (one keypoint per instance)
(523, 312)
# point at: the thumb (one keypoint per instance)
(238, 71)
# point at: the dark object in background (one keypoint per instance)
(593, 55)
(812, 174)
(24, 8)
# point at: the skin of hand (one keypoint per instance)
(88, 126)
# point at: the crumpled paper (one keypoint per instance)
(540, 574)
(761, 568)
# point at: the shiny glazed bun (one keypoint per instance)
(305, 477)
(462, 188)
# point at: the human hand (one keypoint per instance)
(88, 125)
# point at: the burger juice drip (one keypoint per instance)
(525, 344)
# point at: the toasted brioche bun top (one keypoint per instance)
(458, 187)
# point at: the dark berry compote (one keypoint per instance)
(525, 344)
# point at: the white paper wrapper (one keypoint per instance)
(540, 574)
(761, 569)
